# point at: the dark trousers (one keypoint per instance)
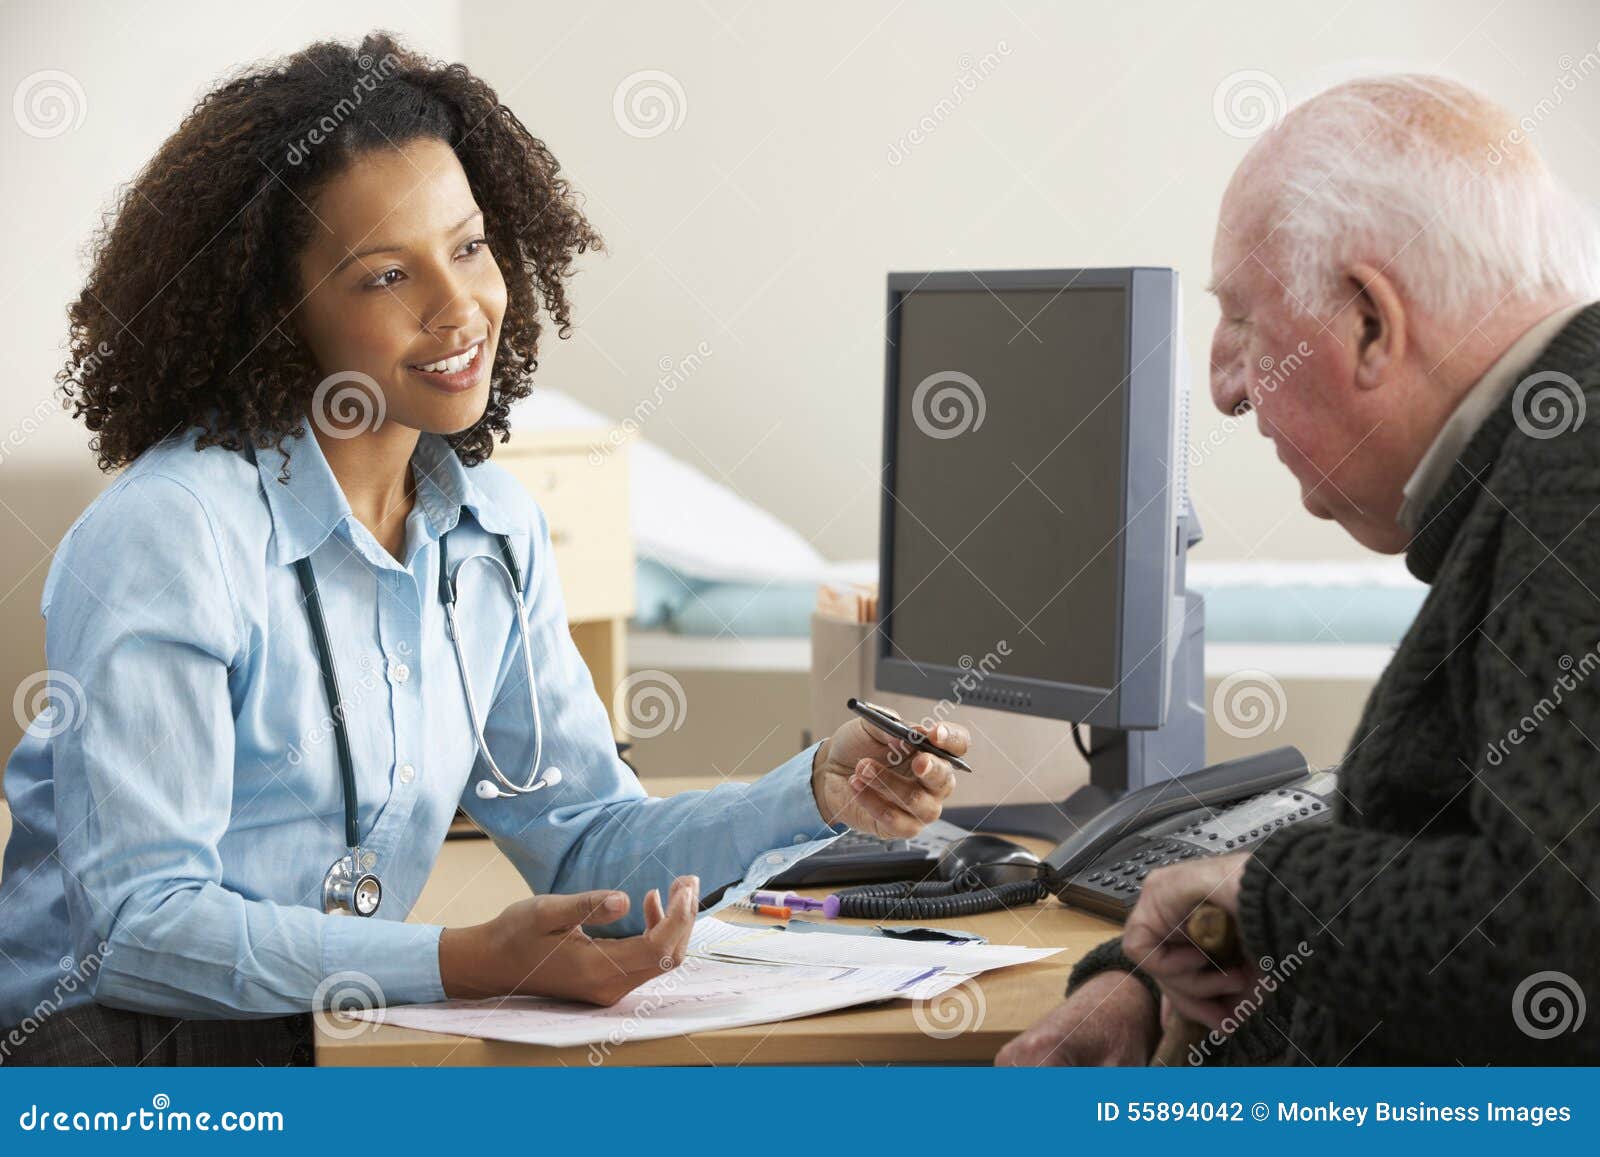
(92, 1034)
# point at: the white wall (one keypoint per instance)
(764, 223)
(135, 70)
(138, 69)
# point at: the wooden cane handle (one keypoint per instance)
(1212, 930)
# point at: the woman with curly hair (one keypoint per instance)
(293, 619)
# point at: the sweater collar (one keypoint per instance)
(1572, 353)
(1480, 401)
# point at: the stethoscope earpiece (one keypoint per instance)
(487, 789)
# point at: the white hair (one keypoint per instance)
(1434, 183)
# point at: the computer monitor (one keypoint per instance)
(1034, 518)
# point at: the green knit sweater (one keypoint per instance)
(1451, 913)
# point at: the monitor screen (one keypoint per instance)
(1008, 464)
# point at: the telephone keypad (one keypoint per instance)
(1111, 885)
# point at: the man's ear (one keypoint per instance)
(1379, 319)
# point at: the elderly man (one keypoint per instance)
(1405, 232)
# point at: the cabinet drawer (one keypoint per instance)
(586, 504)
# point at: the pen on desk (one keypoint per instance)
(828, 906)
(881, 719)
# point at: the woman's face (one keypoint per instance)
(396, 277)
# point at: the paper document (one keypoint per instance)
(776, 946)
(913, 982)
(702, 994)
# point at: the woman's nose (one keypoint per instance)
(456, 307)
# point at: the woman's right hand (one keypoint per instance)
(537, 947)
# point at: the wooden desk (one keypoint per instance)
(472, 882)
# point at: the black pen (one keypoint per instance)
(881, 719)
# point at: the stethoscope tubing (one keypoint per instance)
(448, 589)
(453, 630)
(330, 686)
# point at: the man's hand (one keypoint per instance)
(875, 783)
(1109, 1020)
(1155, 940)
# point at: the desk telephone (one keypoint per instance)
(948, 871)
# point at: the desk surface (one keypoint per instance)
(472, 882)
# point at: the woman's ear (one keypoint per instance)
(1379, 317)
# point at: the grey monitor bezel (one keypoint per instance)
(1140, 697)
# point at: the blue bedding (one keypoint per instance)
(1269, 613)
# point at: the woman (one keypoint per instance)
(302, 335)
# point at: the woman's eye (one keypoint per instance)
(390, 277)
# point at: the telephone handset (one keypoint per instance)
(1227, 807)
(949, 872)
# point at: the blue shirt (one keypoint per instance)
(177, 808)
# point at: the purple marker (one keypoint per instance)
(829, 907)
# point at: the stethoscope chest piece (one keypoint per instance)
(348, 891)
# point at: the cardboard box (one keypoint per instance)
(1015, 758)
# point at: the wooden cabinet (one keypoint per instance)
(580, 481)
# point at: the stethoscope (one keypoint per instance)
(350, 888)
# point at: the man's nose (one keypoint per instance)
(1228, 386)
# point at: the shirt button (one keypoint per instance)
(368, 859)
(407, 773)
(801, 837)
(399, 672)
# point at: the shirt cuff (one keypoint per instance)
(380, 962)
(784, 795)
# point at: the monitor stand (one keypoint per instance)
(1120, 761)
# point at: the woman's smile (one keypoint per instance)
(456, 372)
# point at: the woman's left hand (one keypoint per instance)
(875, 783)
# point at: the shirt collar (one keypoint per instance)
(311, 505)
(1473, 410)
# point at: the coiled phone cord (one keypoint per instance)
(937, 899)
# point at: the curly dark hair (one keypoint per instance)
(194, 270)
